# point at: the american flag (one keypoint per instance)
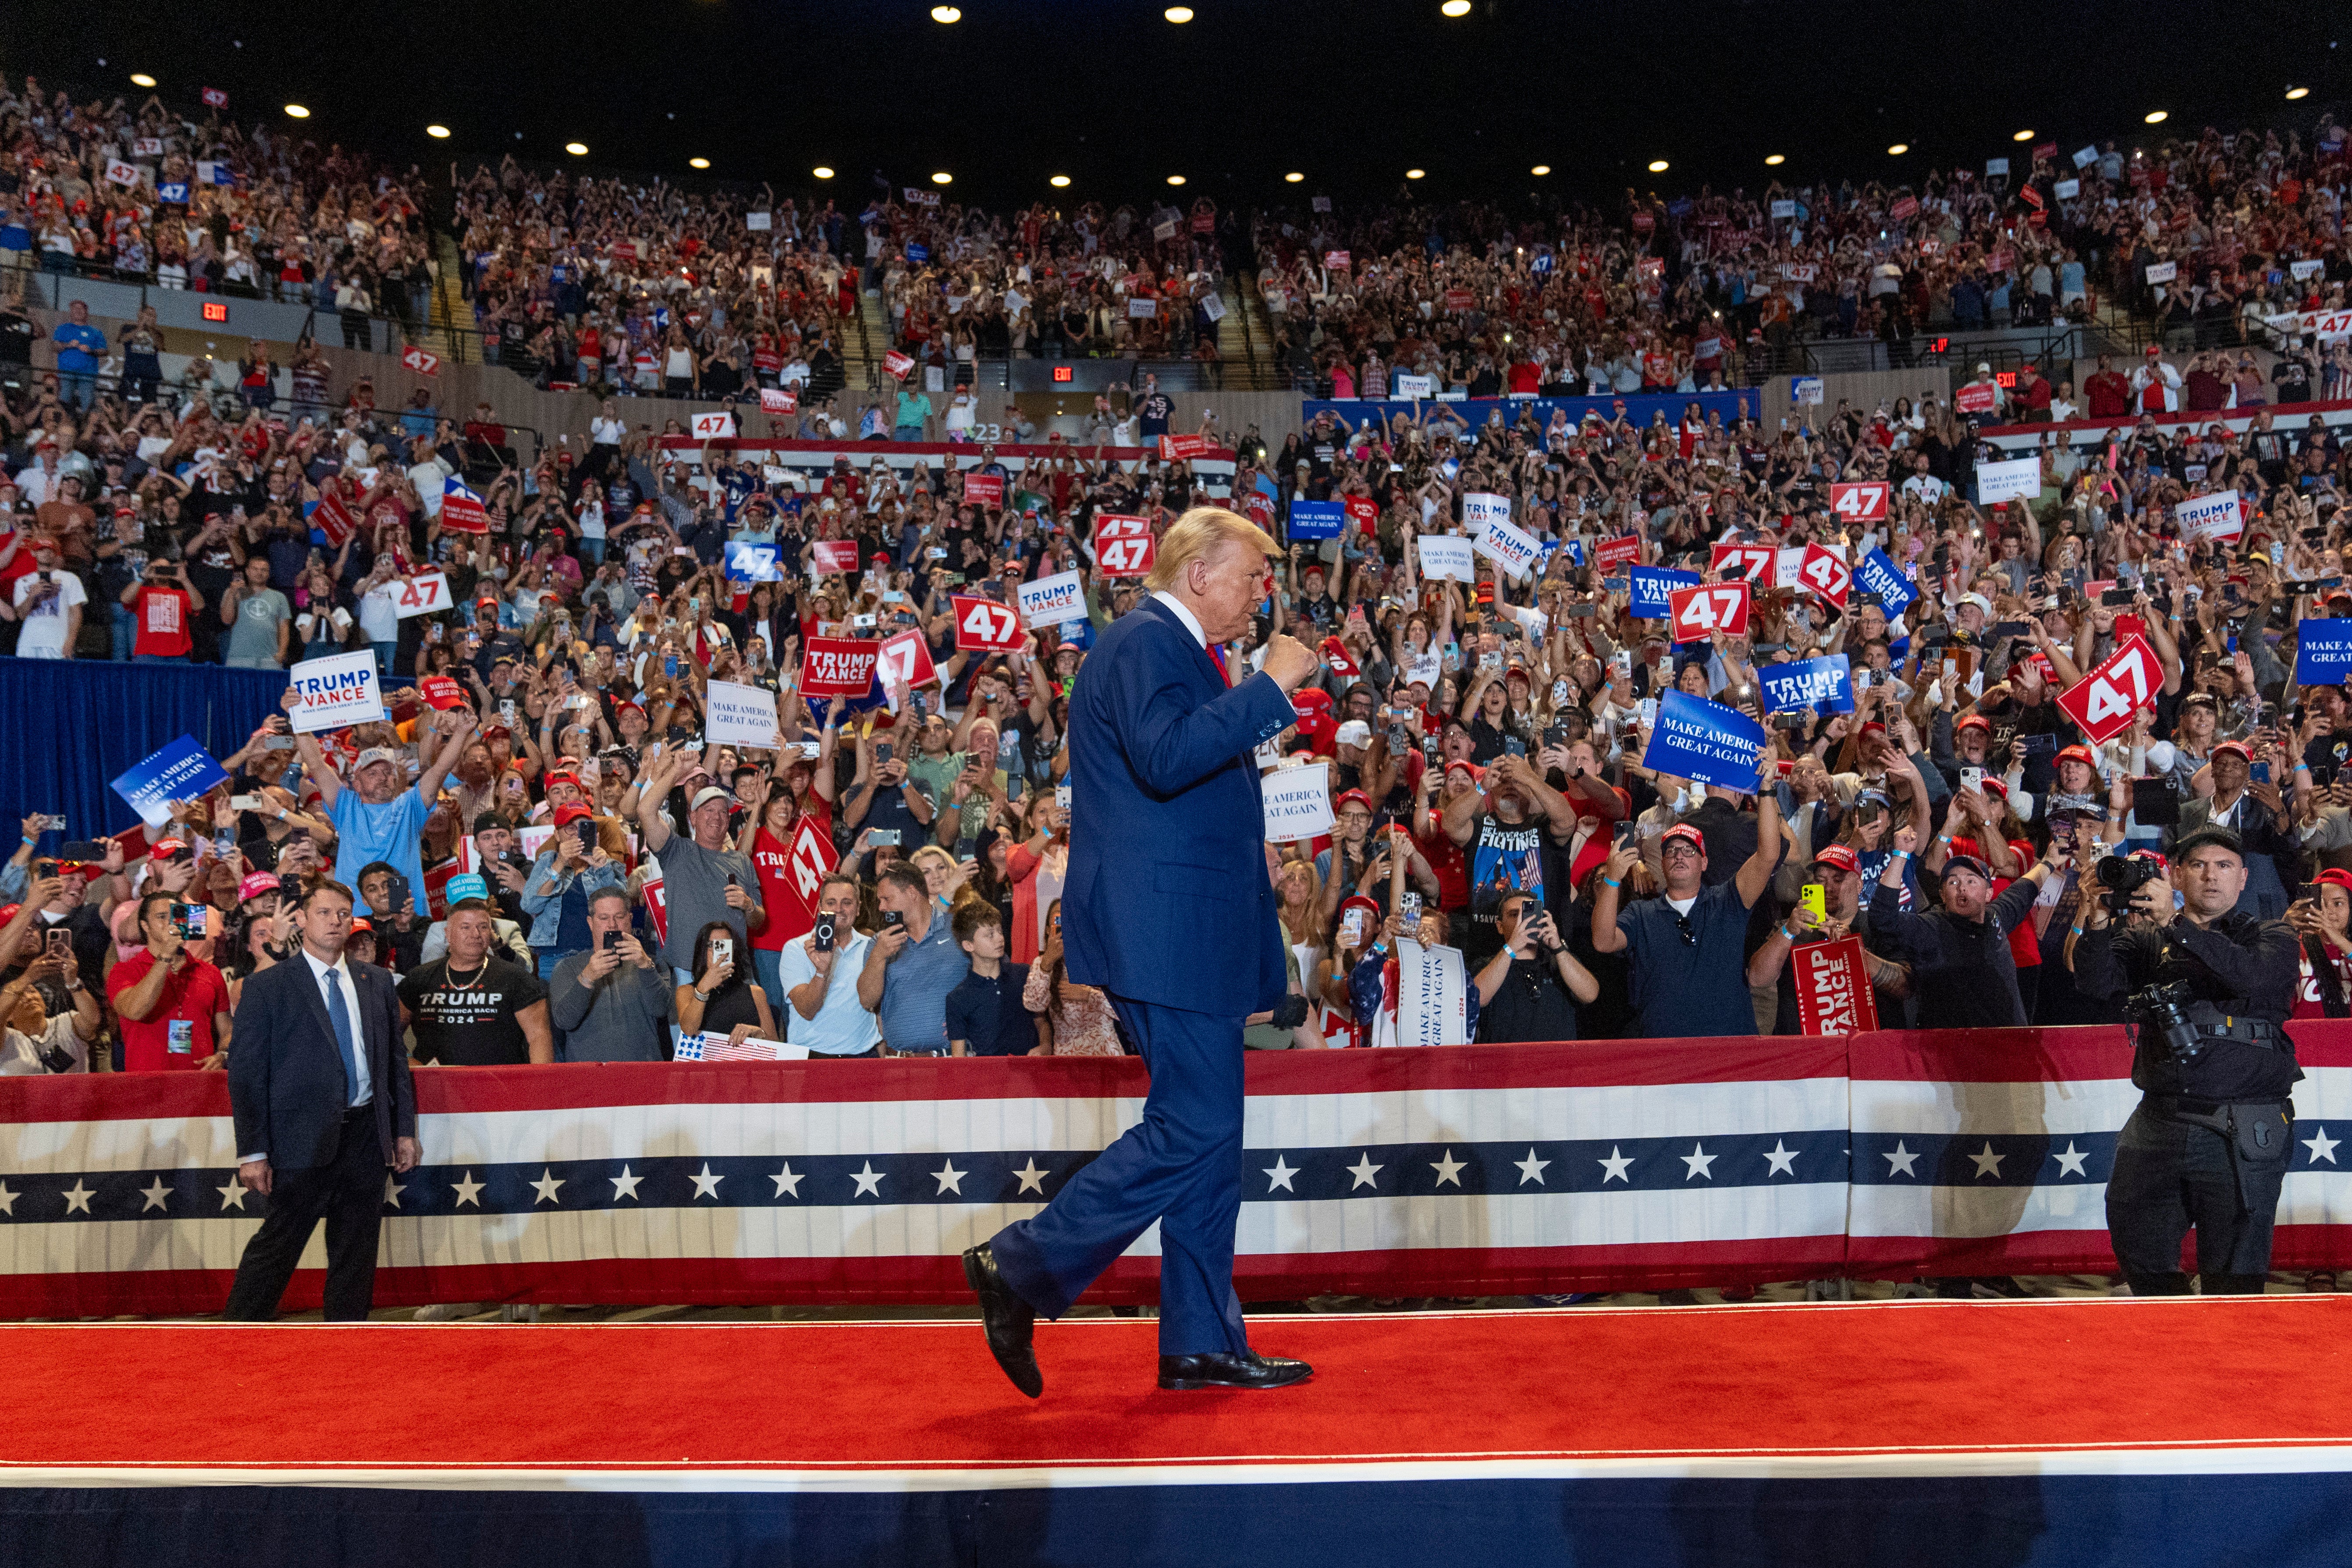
(721, 1049)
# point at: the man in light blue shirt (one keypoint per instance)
(910, 966)
(377, 814)
(820, 985)
(914, 413)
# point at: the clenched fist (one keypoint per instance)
(1291, 662)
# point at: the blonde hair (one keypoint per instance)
(1196, 534)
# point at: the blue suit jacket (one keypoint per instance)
(286, 1087)
(1166, 899)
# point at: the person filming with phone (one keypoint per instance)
(1530, 989)
(172, 1005)
(608, 1003)
(910, 966)
(819, 974)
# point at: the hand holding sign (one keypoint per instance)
(1697, 614)
(984, 625)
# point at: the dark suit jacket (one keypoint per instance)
(286, 1087)
(1167, 894)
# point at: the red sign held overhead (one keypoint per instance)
(811, 861)
(420, 361)
(983, 625)
(897, 364)
(984, 489)
(333, 519)
(1362, 511)
(830, 556)
(776, 400)
(1172, 448)
(1123, 545)
(1977, 399)
(1825, 574)
(2104, 701)
(1865, 500)
(1625, 550)
(838, 667)
(906, 660)
(1697, 613)
(1749, 563)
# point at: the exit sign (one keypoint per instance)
(216, 311)
(1061, 373)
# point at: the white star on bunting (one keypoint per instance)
(1448, 1169)
(156, 1196)
(1033, 1180)
(545, 1186)
(1780, 1159)
(868, 1180)
(1363, 1170)
(705, 1186)
(2321, 1147)
(392, 1190)
(7, 1201)
(2071, 1161)
(624, 1186)
(77, 1197)
(231, 1196)
(1988, 1163)
(1532, 1169)
(788, 1181)
(1278, 1175)
(1697, 1162)
(1614, 1167)
(1902, 1160)
(468, 1188)
(949, 1179)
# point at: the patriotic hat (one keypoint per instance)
(2235, 748)
(1840, 856)
(1683, 830)
(2082, 754)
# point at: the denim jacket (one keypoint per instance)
(543, 890)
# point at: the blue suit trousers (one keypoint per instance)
(1181, 1166)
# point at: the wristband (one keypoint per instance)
(1902, 853)
(1606, 882)
(1787, 932)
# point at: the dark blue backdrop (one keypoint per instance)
(66, 726)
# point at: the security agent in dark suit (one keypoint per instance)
(320, 1088)
(1167, 909)
(2208, 1144)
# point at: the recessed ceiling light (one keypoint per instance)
(297, 111)
(1416, 174)
(141, 78)
(822, 173)
(1179, 15)
(1774, 160)
(1899, 149)
(2155, 116)
(698, 162)
(1657, 166)
(1541, 169)
(1175, 179)
(577, 149)
(2023, 136)
(1455, 7)
(1294, 176)
(438, 132)
(943, 178)
(1058, 181)
(2291, 93)
(946, 13)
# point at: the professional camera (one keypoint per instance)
(2165, 1009)
(2123, 876)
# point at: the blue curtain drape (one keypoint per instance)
(69, 726)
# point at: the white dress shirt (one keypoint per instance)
(1192, 622)
(323, 975)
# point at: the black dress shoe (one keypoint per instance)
(1221, 1368)
(1009, 1319)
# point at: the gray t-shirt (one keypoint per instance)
(693, 882)
(255, 636)
(624, 1018)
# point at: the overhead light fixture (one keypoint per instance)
(943, 178)
(2023, 136)
(698, 162)
(1657, 166)
(1179, 15)
(1455, 7)
(1416, 174)
(1175, 179)
(1899, 149)
(946, 13)
(297, 111)
(1058, 181)
(2155, 116)
(1541, 169)
(1294, 177)
(438, 132)
(2292, 93)
(1774, 160)
(822, 173)
(577, 149)
(141, 78)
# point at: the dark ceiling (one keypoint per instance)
(1350, 92)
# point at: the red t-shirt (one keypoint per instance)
(163, 615)
(192, 996)
(790, 915)
(2308, 1001)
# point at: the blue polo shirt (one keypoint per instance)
(78, 347)
(986, 1014)
(915, 987)
(1686, 986)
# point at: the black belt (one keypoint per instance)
(2253, 1031)
(2192, 1106)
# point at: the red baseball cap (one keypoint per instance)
(1473, 769)
(569, 812)
(1346, 798)
(2082, 754)
(1683, 830)
(565, 775)
(1840, 856)
(1973, 722)
(2332, 876)
(2235, 748)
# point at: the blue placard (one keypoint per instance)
(918, 254)
(2323, 652)
(1876, 574)
(1317, 518)
(1696, 738)
(180, 771)
(1823, 685)
(752, 563)
(1651, 584)
(174, 192)
(222, 174)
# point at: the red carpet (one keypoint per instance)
(1734, 1382)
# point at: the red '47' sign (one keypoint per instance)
(1752, 562)
(2103, 701)
(1697, 613)
(1825, 574)
(811, 862)
(906, 662)
(985, 625)
(1862, 501)
(1123, 545)
(420, 361)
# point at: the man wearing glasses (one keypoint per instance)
(1689, 945)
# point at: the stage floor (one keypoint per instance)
(2073, 1431)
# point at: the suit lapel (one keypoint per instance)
(1176, 623)
(309, 979)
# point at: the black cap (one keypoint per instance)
(484, 821)
(2206, 837)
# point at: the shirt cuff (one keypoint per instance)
(249, 1159)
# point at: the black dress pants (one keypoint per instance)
(348, 1194)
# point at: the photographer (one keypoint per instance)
(1530, 989)
(2208, 1146)
(607, 1002)
(48, 1019)
(172, 1006)
(829, 1019)
(163, 605)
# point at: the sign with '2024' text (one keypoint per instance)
(1705, 741)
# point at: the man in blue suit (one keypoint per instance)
(323, 1099)
(1167, 909)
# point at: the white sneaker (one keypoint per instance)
(447, 1311)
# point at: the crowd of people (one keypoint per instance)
(545, 848)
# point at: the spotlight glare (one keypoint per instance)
(2292, 93)
(1294, 176)
(1058, 181)
(2155, 116)
(1657, 166)
(822, 173)
(698, 162)
(1541, 169)
(438, 132)
(297, 111)
(1455, 7)
(1175, 179)
(1774, 160)
(141, 78)
(1416, 174)
(2023, 136)
(946, 15)
(577, 149)
(943, 178)
(1899, 149)
(1179, 15)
